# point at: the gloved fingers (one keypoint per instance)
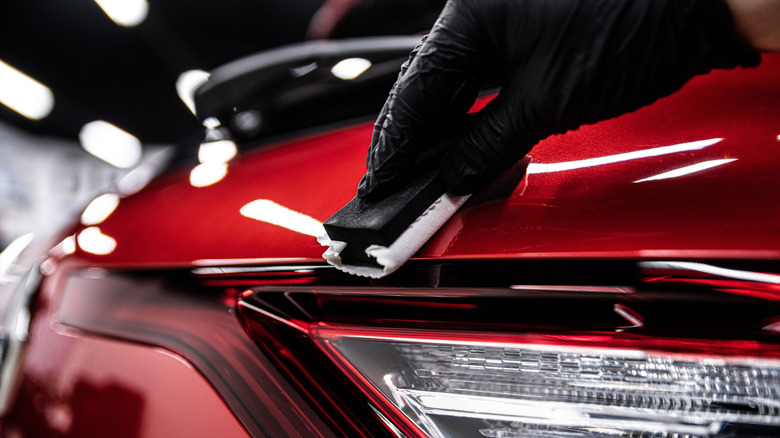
(435, 88)
(368, 185)
(456, 117)
(381, 118)
(378, 182)
(430, 157)
(492, 141)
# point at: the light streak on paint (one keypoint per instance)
(617, 158)
(687, 170)
(265, 210)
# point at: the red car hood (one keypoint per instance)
(693, 175)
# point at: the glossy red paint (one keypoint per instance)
(594, 210)
(134, 356)
(100, 388)
(77, 385)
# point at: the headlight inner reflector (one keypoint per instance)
(452, 389)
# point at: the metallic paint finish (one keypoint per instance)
(113, 356)
(200, 325)
(77, 385)
(724, 211)
(100, 387)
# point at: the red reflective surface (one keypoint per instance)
(100, 388)
(151, 355)
(77, 385)
(595, 209)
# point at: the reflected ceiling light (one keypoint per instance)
(211, 123)
(609, 159)
(99, 209)
(206, 174)
(265, 210)
(773, 327)
(127, 13)
(58, 251)
(93, 241)
(687, 169)
(220, 151)
(66, 247)
(760, 277)
(110, 144)
(350, 68)
(304, 69)
(187, 83)
(24, 94)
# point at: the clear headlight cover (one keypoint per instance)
(450, 388)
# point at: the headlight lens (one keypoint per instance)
(670, 354)
(491, 389)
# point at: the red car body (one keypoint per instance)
(180, 325)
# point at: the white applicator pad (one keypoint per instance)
(390, 258)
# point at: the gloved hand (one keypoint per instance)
(559, 63)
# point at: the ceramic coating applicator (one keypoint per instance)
(373, 239)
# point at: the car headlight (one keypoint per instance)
(653, 350)
(475, 386)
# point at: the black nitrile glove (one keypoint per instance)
(560, 64)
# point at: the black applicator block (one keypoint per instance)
(362, 223)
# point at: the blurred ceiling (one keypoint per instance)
(99, 70)
(126, 75)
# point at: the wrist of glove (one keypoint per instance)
(560, 64)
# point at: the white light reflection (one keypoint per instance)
(135, 180)
(211, 123)
(304, 69)
(11, 253)
(93, 241)
(350, 68)
(759, 277)
(629, 316)
(546, 413)
(187, 83)
(687, 170)
(265, 210)
(110, 144)
(67, 246)
(127, 13)
(220, 151)
(206, 174)
(99, 209)
(393, 381)
(24, 94)
(609, 159)
(22, 327)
